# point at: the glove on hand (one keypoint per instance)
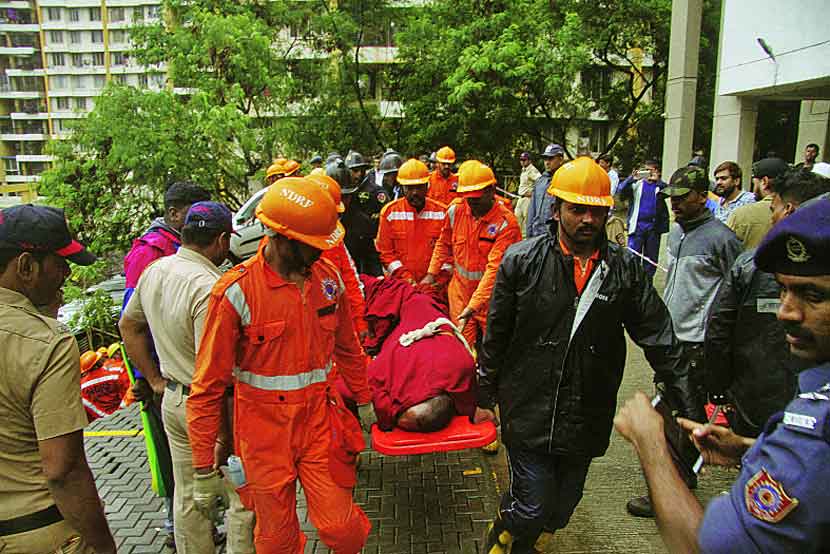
(209, 494)
(366, 412)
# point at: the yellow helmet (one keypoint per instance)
(582, 181)
(413, 172)
(445, 155)
(473, 177)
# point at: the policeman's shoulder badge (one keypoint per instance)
(382, 197)
(766, 498)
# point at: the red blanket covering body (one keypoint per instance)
(403, 376)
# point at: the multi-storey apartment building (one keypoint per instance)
(55, 58)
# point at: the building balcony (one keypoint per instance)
(20, 94)
(26, 137)
(19, 51)
(22, 178)
(23, 116)
(16, 5)
(41, 158)
(24, 72)
(6, 27)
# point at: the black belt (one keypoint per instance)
(30, 522)
(173, 385)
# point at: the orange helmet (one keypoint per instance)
(582, 181)
(276, 169)
(473, 178)
(89, 359)
(413, 172)
(445, 155)
(300, 209)
(290, 167)
(329, 185)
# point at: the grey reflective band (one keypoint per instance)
(283, 382)
(236, 297)
(451, 214)
(471, 275)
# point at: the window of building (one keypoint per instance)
(53, 14)
(118, 36)
(80, 103)
(153, 12)
(77, 60)
(98, 58)
(99, 81)
(57, 82)
(62, 103)
(74, 14)
(78, 82)
(142, 80)
(118, 58)
(120, 78)
(116, 14)
(57, 59)
(56, 37)
(11, 165)
(97, 37)
(596, 82)
(94, 14)
(75, 37)
(598, 136)
(157, 79)
(138, 13)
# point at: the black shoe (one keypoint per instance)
(640, 506)
(170, 541)
(497, 539)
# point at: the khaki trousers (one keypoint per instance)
(522, 205)
(193, 531)
(58, 538)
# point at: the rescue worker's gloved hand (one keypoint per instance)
(367, 416)
(209, 494)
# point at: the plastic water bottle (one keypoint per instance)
(235, 471)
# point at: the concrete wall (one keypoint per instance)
(795, 30)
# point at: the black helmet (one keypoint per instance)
(355, 160)
(390, 163)
(338, 171)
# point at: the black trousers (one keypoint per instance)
(544, 491)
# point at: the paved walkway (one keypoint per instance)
(428, 504)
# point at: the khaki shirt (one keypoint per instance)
(527, 178)
(751, 222)
(40, 398)
(172, 298)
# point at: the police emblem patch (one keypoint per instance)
(766, 498)
(329, 288)
(491, 229)
(382, 198)
(796, 251)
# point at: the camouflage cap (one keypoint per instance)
(685, 180)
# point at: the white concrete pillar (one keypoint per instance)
(813, 127)
(733, 133)
(684, 47)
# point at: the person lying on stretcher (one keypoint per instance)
(423, 373)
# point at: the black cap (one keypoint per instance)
(41, 229)
(210, 215)
(769, 167)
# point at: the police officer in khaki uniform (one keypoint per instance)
(48, 499)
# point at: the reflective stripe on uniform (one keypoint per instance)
(283, 382)
(400, 216)
(451, 213)
(438, 216)
(93, 408)
(393, 266)
(471, 275)
(236, 297)
(503, 226)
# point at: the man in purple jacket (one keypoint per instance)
(162, 237)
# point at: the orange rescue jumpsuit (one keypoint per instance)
(406, 237)
(442, 190)
(275, 343)
(476, 245)
(342, 260)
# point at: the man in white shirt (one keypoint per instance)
(526, 179)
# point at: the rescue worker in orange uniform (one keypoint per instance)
(274, 327)
(343, 261)
(410, 226)
(477, 231)
(443, 182)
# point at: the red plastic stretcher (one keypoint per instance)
(460, 434)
